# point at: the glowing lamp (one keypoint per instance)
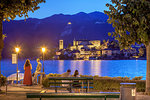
(43, 49)
(17, 49)
(69, 23)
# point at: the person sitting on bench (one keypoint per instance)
(66, 74)
(76, 86)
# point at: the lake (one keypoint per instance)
(111, 68)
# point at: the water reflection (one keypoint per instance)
(112, 68)
(77, 65)
(96, 67)
(80, 67)
(73, 66)
(60, 66)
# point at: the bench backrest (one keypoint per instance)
(70, 78)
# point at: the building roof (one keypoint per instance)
(93, 48)
(75, 51)
(112, 49)
(82, 40)
(60, 50)
(85, 48)
(85, 43)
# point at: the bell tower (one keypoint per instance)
(61, 44)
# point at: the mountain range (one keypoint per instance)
(34, 33)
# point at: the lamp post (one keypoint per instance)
(43, 51)
(17, 51)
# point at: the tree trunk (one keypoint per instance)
(1, 38)
(148, 68)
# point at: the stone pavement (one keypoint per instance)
(18, 92)
(143, 97)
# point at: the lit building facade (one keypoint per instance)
(78, 44)
(61, 44)
(86, 48)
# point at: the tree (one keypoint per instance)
(9, 9)
(131, 20)
(141, 51)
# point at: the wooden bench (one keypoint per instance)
(57, 82)
(71, 95)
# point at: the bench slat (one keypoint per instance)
(70, 78)
(58, 80)
(70, 87)
(71, 95)
(69, 83)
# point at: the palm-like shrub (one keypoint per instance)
(2, 80)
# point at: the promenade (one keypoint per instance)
(18, 92)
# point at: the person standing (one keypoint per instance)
(76, 86)
(27, 74)
(38, 70)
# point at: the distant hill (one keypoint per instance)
(33, 33)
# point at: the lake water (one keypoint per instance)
(111, 68)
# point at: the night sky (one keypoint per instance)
(52, 7)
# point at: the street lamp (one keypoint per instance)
(17, 51)
(43, 51)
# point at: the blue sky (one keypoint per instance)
(52, 7)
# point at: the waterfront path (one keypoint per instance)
(18, 92)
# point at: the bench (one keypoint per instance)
(57, 82)
(71, 95)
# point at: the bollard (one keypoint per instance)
(128, 91)
(39, 79)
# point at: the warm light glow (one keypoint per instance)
(69, 23)
(43, 49)
(17, 49)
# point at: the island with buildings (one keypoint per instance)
(95, 49)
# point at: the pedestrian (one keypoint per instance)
(38, 70)
(27, 74)
(76, 84)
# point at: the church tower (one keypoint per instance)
(61, 44)
(74, 42)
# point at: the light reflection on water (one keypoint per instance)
(96, 67)
(112, 68)
(61, 66)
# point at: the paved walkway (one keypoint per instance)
(143, 97)
(18, 92)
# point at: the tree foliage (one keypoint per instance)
(141, 51)
(10, 8)
(131, 20)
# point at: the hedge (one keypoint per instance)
(111, 84)
(105, 83)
